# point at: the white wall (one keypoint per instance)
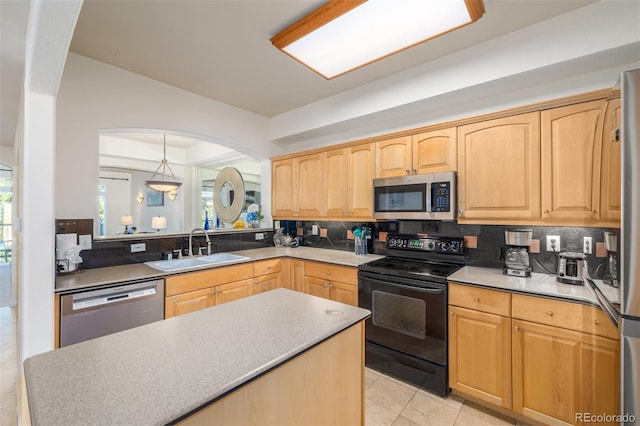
(581, 51)
(96, 96)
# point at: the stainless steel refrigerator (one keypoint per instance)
(630, 246)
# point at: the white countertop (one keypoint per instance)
(538, 284)
(156, 373)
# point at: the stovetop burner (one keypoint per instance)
(422, 270)
(419, 257)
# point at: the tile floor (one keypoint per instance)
(388, 401)
(393, 402)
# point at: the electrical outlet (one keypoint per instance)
(137, 248)
(553, 243)
(314, 229)
(259, 236)
(587, 245)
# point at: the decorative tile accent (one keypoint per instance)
(470, 241)
(323, 233)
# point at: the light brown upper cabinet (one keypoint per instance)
(282, 188)
(571, 155)
(435, 151)
(298, 186)
(348, 175)
(428, 152)
(610, 188)
(394, 157)
(499, 169)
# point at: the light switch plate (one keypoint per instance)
(137, 248)
(85, 242)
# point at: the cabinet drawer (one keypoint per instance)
(264, 267)
(211, 277)
(572, 316)
(480, 299)
(326, 271)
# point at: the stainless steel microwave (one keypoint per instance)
(430, 196)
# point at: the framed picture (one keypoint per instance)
(155, 198)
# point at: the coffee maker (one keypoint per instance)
(515, 254)
(611, 245)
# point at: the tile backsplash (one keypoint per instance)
(483, 241)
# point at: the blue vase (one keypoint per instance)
(206, 220)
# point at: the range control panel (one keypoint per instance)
(447, 245)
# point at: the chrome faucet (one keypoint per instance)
(191, 239)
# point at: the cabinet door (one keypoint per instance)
(188, 302)
(558, 373)
(394, 157)
(297, 275)
(233, 291)
(499, 169)
(480, 355)
(317, 287)
(344, 293)
(571, 153)
(266, 282)
(336, 175)
(283, 188)
(310, 191)
(610, 188)
(435, 151)
(361, 171)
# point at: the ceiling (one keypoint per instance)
(220, 49)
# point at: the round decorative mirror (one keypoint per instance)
(228, 194)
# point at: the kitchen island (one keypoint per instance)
(280, 357)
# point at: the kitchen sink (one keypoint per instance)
(218, 258)
(196, 262)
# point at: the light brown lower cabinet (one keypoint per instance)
(559, 374)
(192, 301)
(480, 355)
(267, 275)
(339, 283)
(189, 292)
(546, 360)
(297, 275)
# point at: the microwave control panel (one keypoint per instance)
(441, 197)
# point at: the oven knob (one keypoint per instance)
(431, 245)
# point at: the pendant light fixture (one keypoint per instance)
(164, 185)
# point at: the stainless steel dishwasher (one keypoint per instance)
(95, 313)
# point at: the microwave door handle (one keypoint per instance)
(429, 197)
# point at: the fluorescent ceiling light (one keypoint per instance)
(343, 35)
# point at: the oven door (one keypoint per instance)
(409, 316)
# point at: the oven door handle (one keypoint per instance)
(421, 289)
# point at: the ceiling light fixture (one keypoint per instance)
(343, 35)
(164, 185)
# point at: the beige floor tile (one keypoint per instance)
(403, 421)
(370, 377)
(475, 415)
(391, 394)
(427, 409)
(377, 415)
